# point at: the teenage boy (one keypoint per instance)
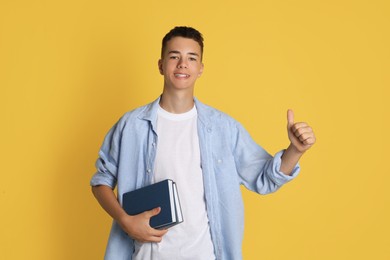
(206, 152)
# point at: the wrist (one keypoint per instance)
(122, 217)
(294, 150)
(290, 158)
(292, 154)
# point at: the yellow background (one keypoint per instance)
(70, 69)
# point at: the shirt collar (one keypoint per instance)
(205, 113)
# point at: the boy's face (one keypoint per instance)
(181, 64)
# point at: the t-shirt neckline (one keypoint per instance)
(177, 117)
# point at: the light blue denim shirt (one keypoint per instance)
(229, 157)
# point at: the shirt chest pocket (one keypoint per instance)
(224, 166)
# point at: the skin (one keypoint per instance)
(181, 66)
(301, 138)
(181, 57)
(135, 226)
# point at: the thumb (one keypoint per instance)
(153, 212)
(290, 118)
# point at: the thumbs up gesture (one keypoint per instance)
(300, 134)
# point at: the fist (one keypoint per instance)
(300, 134)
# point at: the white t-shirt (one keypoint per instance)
(178, 158)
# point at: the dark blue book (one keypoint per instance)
(161, 194)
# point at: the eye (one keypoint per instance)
(192, 59)
(173, 57)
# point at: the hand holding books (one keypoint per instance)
(153, 207)
(138, 226)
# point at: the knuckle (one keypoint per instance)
(303, 137)
(294, 128)
(309, 141)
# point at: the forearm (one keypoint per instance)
(136, 226)
(290, 159)
(107, 199)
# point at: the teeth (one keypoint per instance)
(181, 75)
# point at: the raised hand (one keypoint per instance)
(301, 135)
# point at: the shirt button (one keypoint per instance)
(149, 171)
(153, 144)
(209, 130)
(219, 161)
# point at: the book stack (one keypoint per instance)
(161, 194)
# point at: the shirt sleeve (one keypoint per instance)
(258, 171)
(107, 163)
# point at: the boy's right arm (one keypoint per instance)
(136, 226)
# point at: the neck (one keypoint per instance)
(178, 103)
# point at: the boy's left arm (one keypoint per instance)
(301, 139)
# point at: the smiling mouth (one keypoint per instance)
(180, 75)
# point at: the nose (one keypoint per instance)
(182, 64)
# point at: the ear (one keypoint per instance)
(160, 67)
(201, 70)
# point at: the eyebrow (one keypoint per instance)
(190, 53)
